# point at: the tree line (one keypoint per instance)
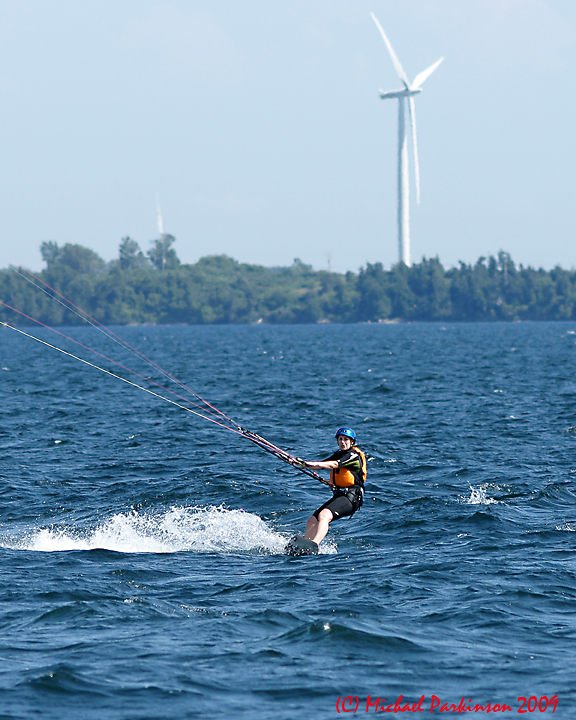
(156, 288)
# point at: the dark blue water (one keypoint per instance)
(142, 572)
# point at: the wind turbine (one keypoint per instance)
(160, 223)
(406, 93)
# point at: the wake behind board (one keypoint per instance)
(300, 546)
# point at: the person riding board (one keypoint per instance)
(347, 476)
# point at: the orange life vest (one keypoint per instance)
(342, 477)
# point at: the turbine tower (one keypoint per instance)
(406, 93)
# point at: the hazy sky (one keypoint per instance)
(259, 127)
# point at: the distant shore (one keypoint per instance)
(156, 289)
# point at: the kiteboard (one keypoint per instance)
(298, 546)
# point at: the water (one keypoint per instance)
(142, 573)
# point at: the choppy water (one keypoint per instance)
(142, 572)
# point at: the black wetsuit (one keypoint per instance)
(346, 500)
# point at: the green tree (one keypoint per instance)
(162, 255)
(50, 252)
(374, 303)
(130, 255)
(404, 303)
(80, 259)
(431, 288)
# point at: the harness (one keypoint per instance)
(351, 483)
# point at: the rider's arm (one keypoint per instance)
(321, 465)
(347, 459)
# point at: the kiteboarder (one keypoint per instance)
(347, 476)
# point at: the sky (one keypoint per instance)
(258, 127)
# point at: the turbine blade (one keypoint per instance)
(391, 94)
(425, 74)
(160, 224)
(416, 164)
(398, 67)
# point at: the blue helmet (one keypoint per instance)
(348, 432)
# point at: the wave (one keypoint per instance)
(567, 527)
(179, 529)
(479, 496)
